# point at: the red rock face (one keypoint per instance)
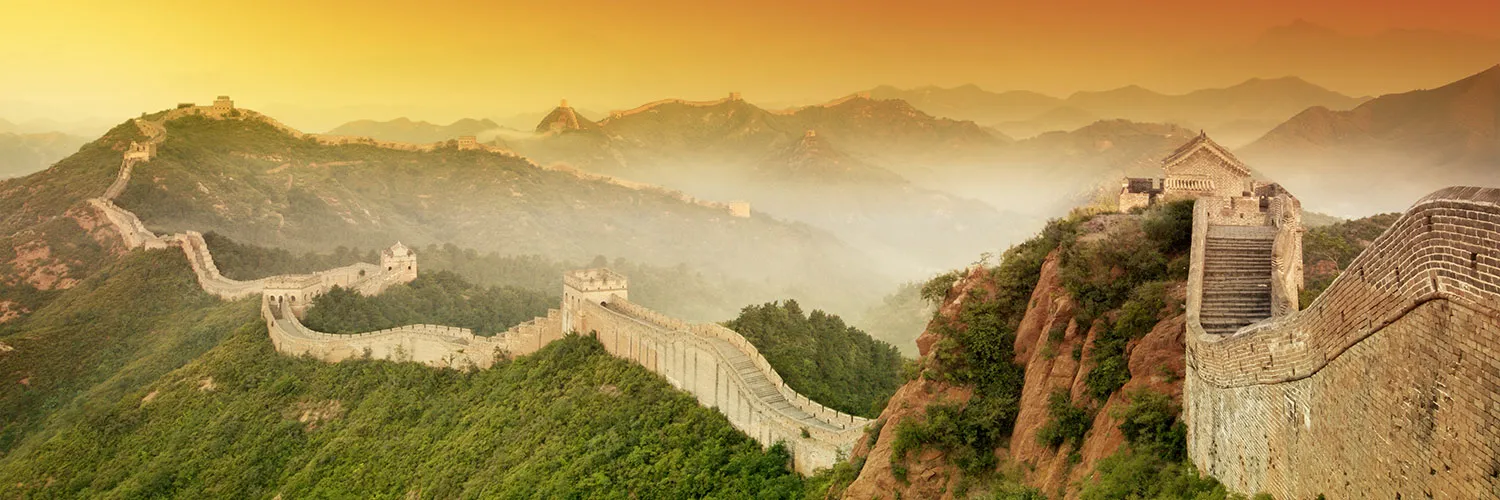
(1155, 362)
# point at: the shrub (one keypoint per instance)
(1150, 423)
(823, 358)
(1170, 226)
(1066, 423)
(1137, 317)
(935, 291)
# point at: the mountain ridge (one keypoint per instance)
(1409, 143)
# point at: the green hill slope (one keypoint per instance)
(259, 185)
(136, 384)
(821, 357)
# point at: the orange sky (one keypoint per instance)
(321, 64)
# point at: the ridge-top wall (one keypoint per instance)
(720, 374)
(1387, 385)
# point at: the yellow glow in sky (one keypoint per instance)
(321, 63)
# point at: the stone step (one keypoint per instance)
(1212, 270)
(1243, 319)
(1238, 258)
(1235, 242)
(1237, 284)
(1239, 309)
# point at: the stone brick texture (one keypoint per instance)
(1387, 386)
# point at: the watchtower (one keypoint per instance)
(584, 287)
(400, 262)
(223, 105)
(739, 209)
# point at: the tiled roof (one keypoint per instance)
(1203, 142)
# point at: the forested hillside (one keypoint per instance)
(136, 384)
(434, 298)
(1328, 250)
(257, 184)
(821, 357)
(676, 290)
(1054, 373)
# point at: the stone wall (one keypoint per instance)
(1388, 385)
(715, 364)
(723, 371)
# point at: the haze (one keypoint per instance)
(316, 66)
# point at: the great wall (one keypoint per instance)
(714, 364)
(1387, 385)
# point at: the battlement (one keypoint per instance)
(1389, 372)
(595, 280)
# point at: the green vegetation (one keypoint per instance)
(1066, 423)
(1101, 274)
(570, 421)
(1152, 463)
(1328, 250)
(676, 290)
(978, 348)
(1118, 278)
(258, 185)
(44, 222)
(1137, 317)
(822, 358)
(239, 261)
(1126, 271)
(132, 322)
(137, 384)
(440, 298)
(900, 318)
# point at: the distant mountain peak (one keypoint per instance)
(564, 119)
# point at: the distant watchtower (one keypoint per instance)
(399, 261)
(468, 142)
(584, 287)
(223, 104)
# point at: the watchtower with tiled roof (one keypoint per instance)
(1200, 167)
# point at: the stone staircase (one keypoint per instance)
(763, 388)
(1236, 283)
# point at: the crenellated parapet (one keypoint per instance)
(722, 370)
(1384, 386)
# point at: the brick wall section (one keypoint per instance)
(715, 364)
(1388, 384)
(722, 370)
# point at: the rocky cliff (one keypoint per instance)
(1056, 355)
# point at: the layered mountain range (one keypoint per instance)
(1400, 146)
(253, 181)
(21, 154)
(1236, 115)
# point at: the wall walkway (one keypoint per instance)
(715, 364)
(1387, 386)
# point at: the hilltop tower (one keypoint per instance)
(223, 104)
(468, 142)
(1199, 168)
(587, 288)
(399, 261)
(140, 151)
(739, 209)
